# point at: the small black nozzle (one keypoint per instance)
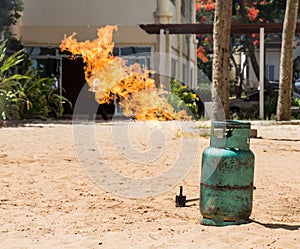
(180, 199)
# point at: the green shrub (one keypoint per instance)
(295, 102)
(26, 96)
(37, 99)
(253, 113)
(183, 98)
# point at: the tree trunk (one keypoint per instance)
(220, 74)
(286, 62)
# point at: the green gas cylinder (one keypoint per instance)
(226, 184)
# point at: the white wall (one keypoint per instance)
(44, 22)
(272, 57)
(87, 12)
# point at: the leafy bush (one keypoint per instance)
(295, 102)
(26, 96)
(253, 113)
(270, 107)
(9, 79)
(183, 98)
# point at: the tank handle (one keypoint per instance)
(221, 133)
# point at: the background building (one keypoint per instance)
(272, 56)
(44, 24)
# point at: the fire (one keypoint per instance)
(111, 78)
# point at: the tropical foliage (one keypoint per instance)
(184, 98)
(26, 95)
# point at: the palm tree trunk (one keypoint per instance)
(286, 62)
(220, 75)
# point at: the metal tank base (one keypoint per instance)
(211, 222)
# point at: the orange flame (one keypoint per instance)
(110, 77)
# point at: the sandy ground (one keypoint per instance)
(47, 200)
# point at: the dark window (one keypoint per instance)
(140, 55)
(44, 60)
(271, 72)
(192, 78)
(46, 67)
(184, 72)
(174, 65)
(134, 50)
(34, 51)
(116, 51)
(183, 7)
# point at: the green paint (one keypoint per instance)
(226, 188)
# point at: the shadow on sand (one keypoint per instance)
(277, 225)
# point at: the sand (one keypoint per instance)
(54, 195)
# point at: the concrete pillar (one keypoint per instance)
(189, 59)
(163, 59)
(167, 78)
(192, 61)
(162, 14)
(179, 40)
(195, 41)
(193, 14)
